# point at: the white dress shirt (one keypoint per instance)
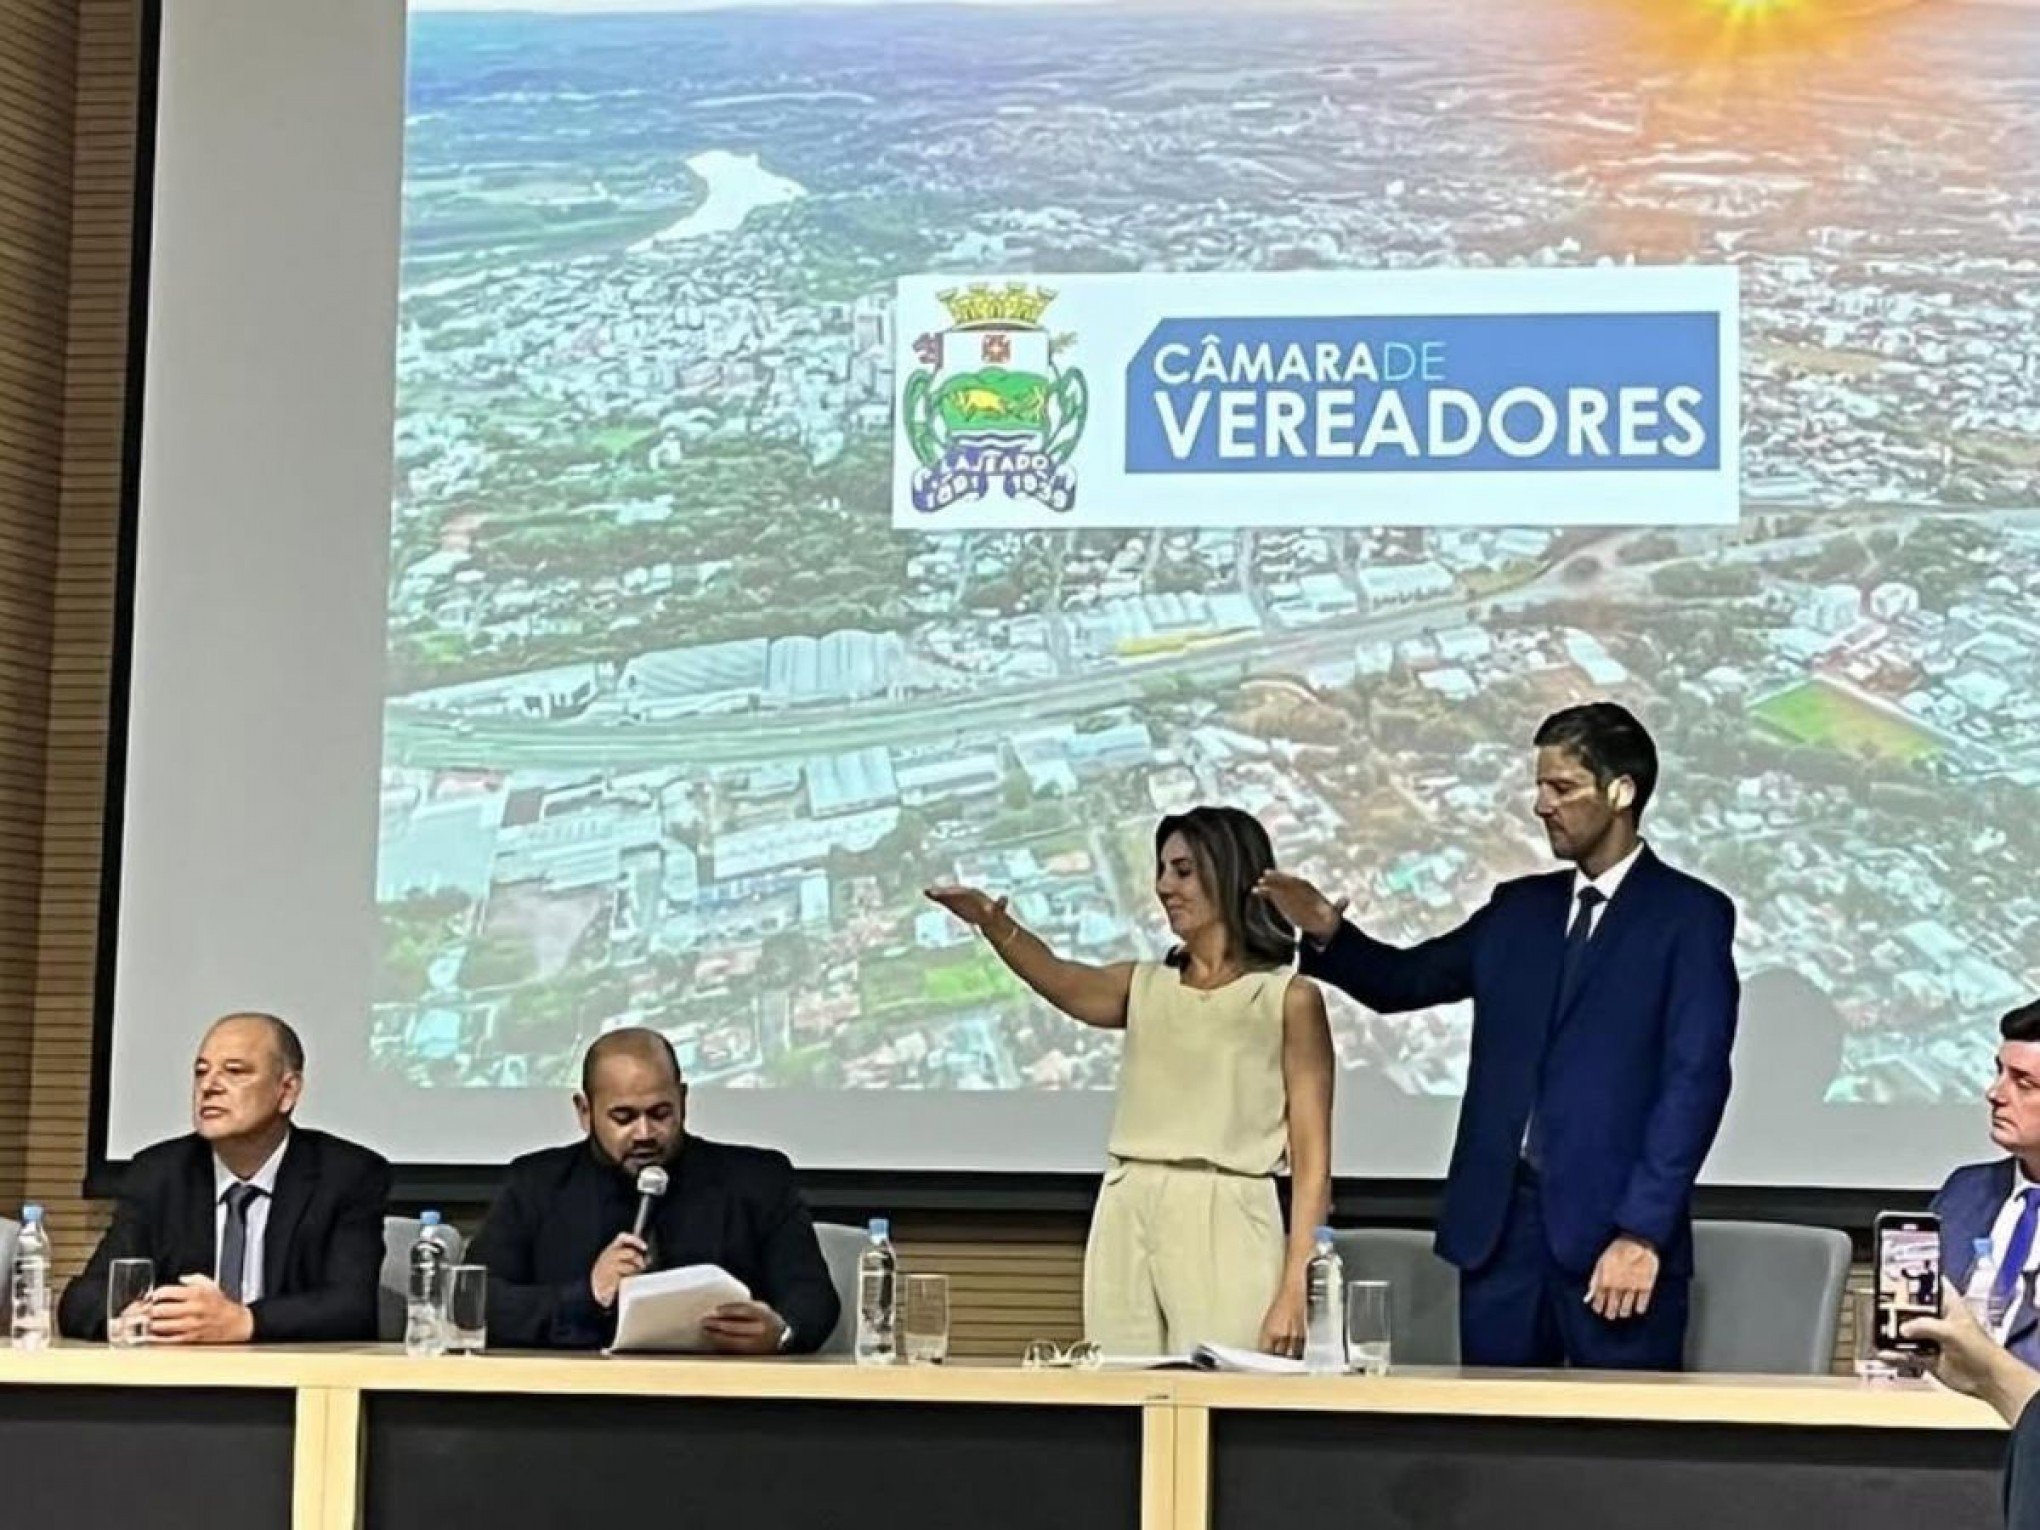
(2001, 1244)
(263, 1179)
(1605, 884)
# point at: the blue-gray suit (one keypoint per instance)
(1968, 1206)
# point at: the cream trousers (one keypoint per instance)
(1180, 1255)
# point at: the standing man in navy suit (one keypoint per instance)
(1604, 1010)
(2001, 1200)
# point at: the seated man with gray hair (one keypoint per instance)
(260, 1230)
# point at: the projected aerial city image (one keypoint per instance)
(678, 725)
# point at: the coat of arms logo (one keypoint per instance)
(991, 405)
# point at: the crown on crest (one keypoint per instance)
(981, 303)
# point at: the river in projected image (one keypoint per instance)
(678, 725)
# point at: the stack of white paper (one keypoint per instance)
(662, 1312)
(1144, 1363)
(1223, 1357)
(1208, 1357)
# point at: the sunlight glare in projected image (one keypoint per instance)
(1715, 33)
(1761, 19)
(1747, 19)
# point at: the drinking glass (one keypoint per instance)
(1367, 1327)
(926, 1329)
(129, 1284)
(467, 1309)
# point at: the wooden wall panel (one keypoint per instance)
(1009, 1281)
(36, 90)
(106, 37)
(1012, 1280)
(68, 92)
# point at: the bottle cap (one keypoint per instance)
(881, 1227)
(31, 1212)
(1981, 1246)
(1324, 1235)
(429, 1218)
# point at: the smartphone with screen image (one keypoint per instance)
(1906, 1275)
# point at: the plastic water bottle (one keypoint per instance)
(1324, 1309)
(425, 1305)
(30, 1328)
(1977, 1294)
(878, 1271)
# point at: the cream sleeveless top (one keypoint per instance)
(1200, 1080)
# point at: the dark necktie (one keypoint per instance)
(1569, 975)
(2004, 1290)
(1576, 942)
(234, 1241)
(2025, 1345)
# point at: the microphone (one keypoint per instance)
(651, 1184)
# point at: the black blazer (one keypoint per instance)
(321, 1255)
(2022, 1471)
(738, 1207)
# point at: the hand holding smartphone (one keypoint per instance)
(1906, 1275)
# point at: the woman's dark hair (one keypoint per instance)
(1230, 850)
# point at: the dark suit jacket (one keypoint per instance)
(321, 1255)
(2022, 1471)
(1629, 1081)
(738, 1207)
(1968, 1206)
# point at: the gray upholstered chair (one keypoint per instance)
(1766, 1297)
(840, 1247)
(394, 1286)
(9, 1231)
(1423, 1293)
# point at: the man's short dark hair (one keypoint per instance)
(640, 1039)
(1609, 741)
(2021, 1024)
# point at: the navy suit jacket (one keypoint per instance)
(1629, 1081)
(1968, 1206)
(2022, 1472)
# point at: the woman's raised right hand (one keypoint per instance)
(976, 908)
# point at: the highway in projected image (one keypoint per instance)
(678, 724)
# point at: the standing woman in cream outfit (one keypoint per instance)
(1226, 1079)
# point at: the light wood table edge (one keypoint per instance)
(379, 1368)
(329, 1385)
(1191, 1468)
(1757, 1401)
(345, 1460)
(251, 1368)
(1158, 1467)
(308, 1483)
(511, 1374)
